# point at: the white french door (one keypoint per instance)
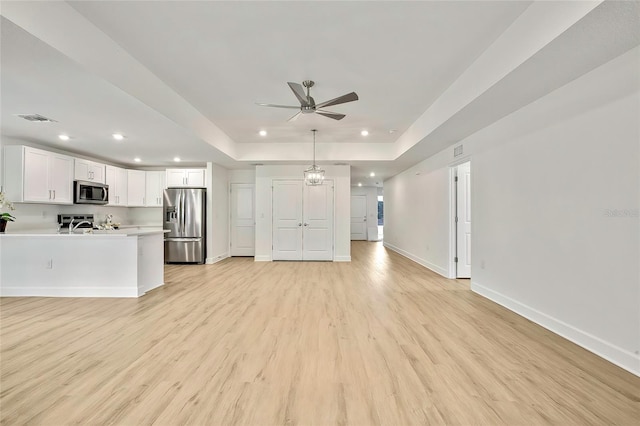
(463, 220)
(358, 217)
(302, 221)
(317, 225)
(243, 221)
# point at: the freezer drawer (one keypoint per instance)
(184, 250)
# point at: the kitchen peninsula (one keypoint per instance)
(115, 263)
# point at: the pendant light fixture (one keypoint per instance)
(314, 175)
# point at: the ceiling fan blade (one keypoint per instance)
(278, 106)
(298, 90)
(295, 116)
(333, 115)
(349, 97)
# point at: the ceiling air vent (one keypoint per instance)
(37, 118)
(457, 151)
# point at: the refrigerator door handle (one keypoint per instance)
(182, 213)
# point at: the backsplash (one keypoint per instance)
(44, 216)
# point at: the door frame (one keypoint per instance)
(453, 227)
(333, 236)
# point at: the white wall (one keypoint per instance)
(242, 176)
(555, 196)
(217, 213)
(371, 192)
(341, 176)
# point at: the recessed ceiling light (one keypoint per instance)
(176, 159)
(63, 137)
(364, 133)
(262, 133)
(118, 136)
(372, 174)
(359, 184)
(137, 159)
(392, 130)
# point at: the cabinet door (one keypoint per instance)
(110, 177)
(96, 172)
(195, 177)
(116, 178)
(175, 177)
(154, 189)
(135, 188)
(81, 169)
(36, 176)
(121, 187)
(61, 178)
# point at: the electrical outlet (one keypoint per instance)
(49, 264)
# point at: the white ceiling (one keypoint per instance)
(182, 78)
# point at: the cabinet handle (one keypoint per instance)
(54, 194)
(49, 194)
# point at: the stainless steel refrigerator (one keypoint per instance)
(184, 217)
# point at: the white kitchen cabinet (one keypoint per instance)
(32, 175)
(154, 191)
(136, 186)
(116, 178)
(89, 171)
(185, 178)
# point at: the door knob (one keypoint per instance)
(365, 219)
(306, 224)
(299, 224)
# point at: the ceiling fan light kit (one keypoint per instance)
(308, 104)
(314, 175)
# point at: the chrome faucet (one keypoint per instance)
(73, 228)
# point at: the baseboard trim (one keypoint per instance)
(212, 260)
(435, 268)
(69, 292)
(342, 259)
(612, 353)
(263, 258)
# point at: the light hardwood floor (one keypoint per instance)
(380, 340)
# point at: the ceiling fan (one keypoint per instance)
(308, 104)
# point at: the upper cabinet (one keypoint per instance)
(154, 191)
(185, 178)
(118, 189)
(36, 176)
(89, 171)
(136, 188)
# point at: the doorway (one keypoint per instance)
(358, 217)
(380, 218)
(462, 220)
(243, 220)
(302, 220)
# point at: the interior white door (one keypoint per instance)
(317, 226)
(243, 221)
(463, 220)
(287, 220)
(358, 217)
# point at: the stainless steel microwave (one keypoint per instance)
(90, 193)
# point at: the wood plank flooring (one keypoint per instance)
(380, 340)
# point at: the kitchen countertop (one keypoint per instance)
(122, 232)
